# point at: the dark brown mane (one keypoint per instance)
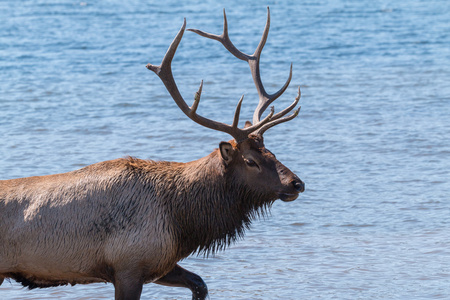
(214, 208)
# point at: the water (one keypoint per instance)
(371, 141)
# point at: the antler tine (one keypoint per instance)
(237, 113)
(258, 125)
(265, 34)
(278, 121)
(196, 99)
(224, 39)
(164, 72)
(289, 108)
(266, 100)
(255, 70)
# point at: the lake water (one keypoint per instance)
(371, 141)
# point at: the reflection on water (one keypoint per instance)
(371, 141)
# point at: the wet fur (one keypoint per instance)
(92, 214)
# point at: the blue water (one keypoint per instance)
(371, 141)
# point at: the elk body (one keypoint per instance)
(129, 221)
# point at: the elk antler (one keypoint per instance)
(265, 99)
(164, 72)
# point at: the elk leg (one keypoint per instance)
(128, 286)
(180, 277)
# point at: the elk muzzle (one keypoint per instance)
(297, 186)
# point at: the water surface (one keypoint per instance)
(371, 141)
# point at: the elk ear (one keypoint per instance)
(226, 151)
(247, 124)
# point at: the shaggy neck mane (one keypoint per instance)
(211, 208)
(216, 207)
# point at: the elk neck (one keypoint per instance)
(210, 207)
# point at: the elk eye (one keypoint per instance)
(250, 162)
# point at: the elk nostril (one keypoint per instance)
(299, 185)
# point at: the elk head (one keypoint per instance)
(246, 155)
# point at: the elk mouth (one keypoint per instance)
(286, 197)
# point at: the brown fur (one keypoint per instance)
(105, 221)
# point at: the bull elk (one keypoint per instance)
(129, 221)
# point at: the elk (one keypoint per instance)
(130, 221)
